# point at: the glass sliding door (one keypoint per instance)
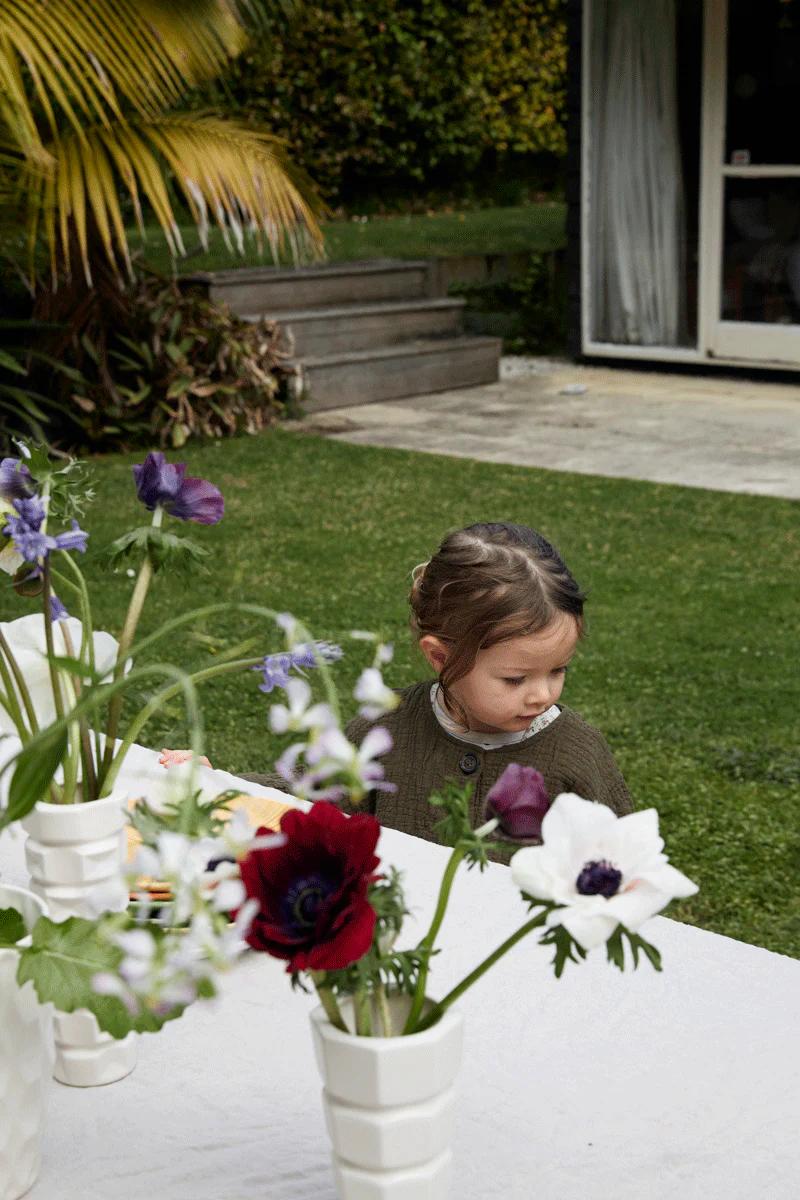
(642, 104)
(752, 178)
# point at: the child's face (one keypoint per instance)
(513, 681)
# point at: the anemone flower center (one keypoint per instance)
(303, 900)
(599, 879)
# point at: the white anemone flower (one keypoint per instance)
(298, 716)
(27, 642)
(604, 869)
(375, 697)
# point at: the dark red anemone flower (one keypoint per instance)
(312, 891)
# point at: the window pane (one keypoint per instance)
(761, 264)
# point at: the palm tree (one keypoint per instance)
(90, 112)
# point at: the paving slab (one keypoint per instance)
(729, 434)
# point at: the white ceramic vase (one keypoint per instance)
(73, 849)
(26, 1061)
(389, 1106)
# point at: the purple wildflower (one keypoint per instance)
(185, 497)
(276, 667)
(74, 540)
(31, 542)
(15, 480)
(305, 655)
(57, 610)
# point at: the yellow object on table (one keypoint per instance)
(261, 811)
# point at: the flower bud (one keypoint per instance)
(519, 801)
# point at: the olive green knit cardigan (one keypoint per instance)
(571, 755)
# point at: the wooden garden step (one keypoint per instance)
(341, 329)
(264, 290)
(406, 369)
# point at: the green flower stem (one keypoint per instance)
(430, 937)
(437, 1011)
(151, 708)
(90, 701)
(183, 683)
(89, 779)
(48, 634)
(384, 1010)
(79, 587)
(138, 597)
(327, 999)
(256, 610)
(363, 1007)
(9, 699)
(22, 686)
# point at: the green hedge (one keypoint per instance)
(388, 91)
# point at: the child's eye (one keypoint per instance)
(560, 670)
(516, 680)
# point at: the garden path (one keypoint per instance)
(711, 431)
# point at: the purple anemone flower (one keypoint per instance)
(15, 480)
(31, 542)
(189, 499)
(519, 800)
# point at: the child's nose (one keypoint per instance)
(538, 692)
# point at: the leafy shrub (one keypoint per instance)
(392, 89)
(162, 365)
(532, 307)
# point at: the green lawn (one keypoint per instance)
(689, 666)
(482, 231)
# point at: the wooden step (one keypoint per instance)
(264, 290)
(407, 369)
(350, 327)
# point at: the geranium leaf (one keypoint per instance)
(35, 767)
(12, 927)
(61, 963)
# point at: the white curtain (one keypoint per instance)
(636, 186)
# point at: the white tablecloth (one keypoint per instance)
(678, 1086)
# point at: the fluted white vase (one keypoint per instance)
(26, 1060)
(389, 1106)
(72, 851)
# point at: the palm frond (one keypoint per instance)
(85, 57)
(226, 172)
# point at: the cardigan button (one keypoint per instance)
(469, 764)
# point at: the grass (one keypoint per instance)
(481, 231)
(688, 667)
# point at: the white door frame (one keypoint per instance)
(731, 341)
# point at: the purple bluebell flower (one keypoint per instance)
(57, 610)
(276, 667)
(74, 540)
(185, 497)
(305, 655)
(31, 542)
(15, 480)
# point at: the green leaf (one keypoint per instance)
(11, 364)
(566, 948)
(35, 767)
(61, 963)
(161, 546)
(12, 927)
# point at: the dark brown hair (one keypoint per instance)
(487, 583)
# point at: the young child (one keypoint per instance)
(498, 616)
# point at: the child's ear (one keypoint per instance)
(435, 651)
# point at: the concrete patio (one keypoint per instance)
(709, 431)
